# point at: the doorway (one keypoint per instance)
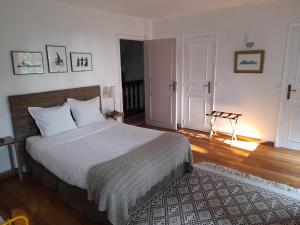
(132, 72)
(149, 96)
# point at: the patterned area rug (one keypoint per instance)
(216, 195)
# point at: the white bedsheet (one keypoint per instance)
(70, 155)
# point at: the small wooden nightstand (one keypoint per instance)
(10, 143)
(114, 115)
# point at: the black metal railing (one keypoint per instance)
(133, 97)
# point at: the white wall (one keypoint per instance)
(31, 24)
(255, 96)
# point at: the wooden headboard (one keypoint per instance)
(23, 124)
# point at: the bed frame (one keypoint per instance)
(24, 126)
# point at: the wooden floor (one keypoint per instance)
(45, 208)
(137, 120)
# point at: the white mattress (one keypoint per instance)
(71, 154)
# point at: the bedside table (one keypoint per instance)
(114, 115)
(10, 143)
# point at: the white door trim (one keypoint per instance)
(120, 36)
(184, 37)
(283, 84)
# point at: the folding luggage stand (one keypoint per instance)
(232, 117)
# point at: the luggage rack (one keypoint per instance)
(232, 117)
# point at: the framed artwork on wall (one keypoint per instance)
(249, 61)
(81, 62)
(57, 59)
(25, 62)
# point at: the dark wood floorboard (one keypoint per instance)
(44, 207)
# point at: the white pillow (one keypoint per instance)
(86, 112)
(53, 120)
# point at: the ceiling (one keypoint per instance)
(158, 9)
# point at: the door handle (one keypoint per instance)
(173, 85)
(289, 91)
(208, 87)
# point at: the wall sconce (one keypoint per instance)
(249, 41)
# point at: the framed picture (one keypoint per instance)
(25, 62)
(249, 61)
(81, 61)
(57, 59)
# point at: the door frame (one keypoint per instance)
(131, 37)
(283, 85)
(213, 81)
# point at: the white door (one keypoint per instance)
(289, 128)
(160, 82)
(198, 80)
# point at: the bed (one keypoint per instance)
(105, 170)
